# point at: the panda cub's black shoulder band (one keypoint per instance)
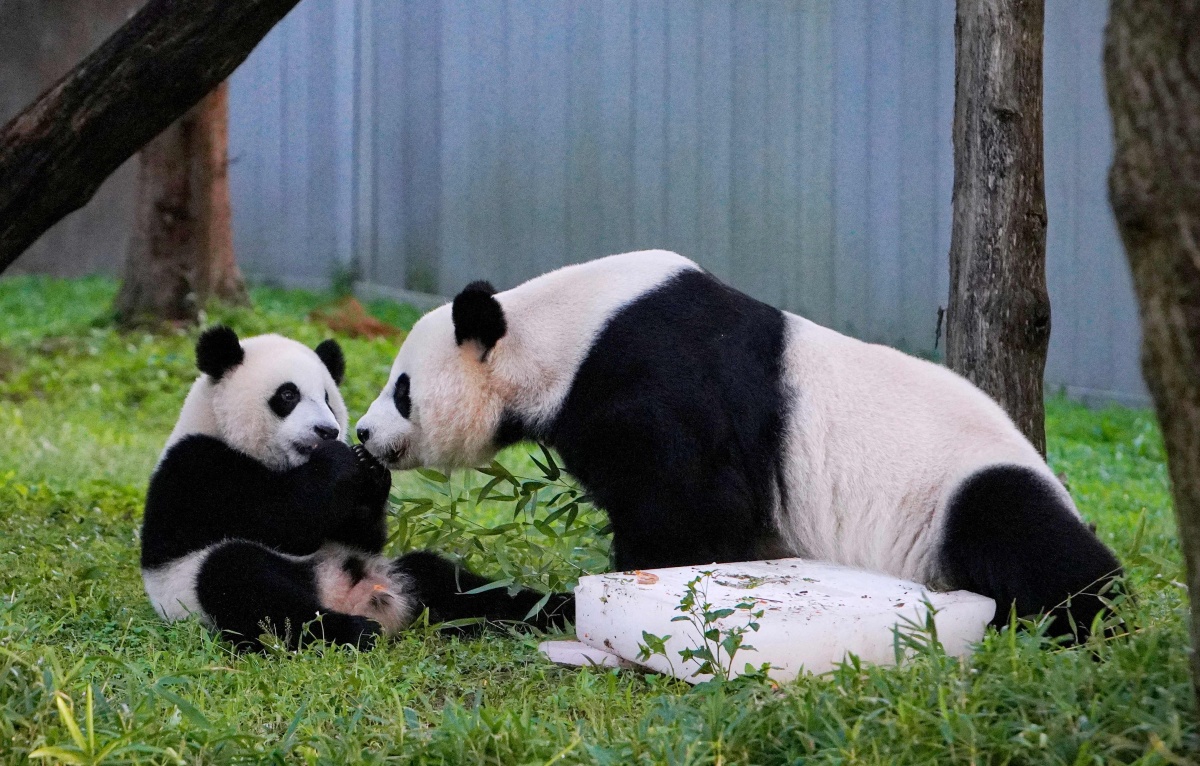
(477, 315)
(218, 351)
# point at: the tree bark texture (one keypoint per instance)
(181, 253)
(55, 154)
(998, 317)
(1152, 67)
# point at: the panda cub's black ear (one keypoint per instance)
(218, 351)
(331, 354)
(478, 316)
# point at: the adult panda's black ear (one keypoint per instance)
(478, 316)
(335, 361)
(218, 351)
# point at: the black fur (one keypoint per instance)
(218, 351)
(249, 590)
(442, 587)
(331, 354)
(400, 396)
(674, 424)
(284, 400)
(205, 493)
(1010, 537)
(356, 568)
(511, 430)
(477, 316)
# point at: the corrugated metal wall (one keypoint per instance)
(800, 150)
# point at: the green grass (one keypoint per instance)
(85, 409)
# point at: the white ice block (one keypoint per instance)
(813, 614)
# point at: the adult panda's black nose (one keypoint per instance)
(325, 432)
(363, 435)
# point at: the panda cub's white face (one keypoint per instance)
(275, 401)
(439, 407)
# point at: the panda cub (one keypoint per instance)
(712, 428)
(260, 518)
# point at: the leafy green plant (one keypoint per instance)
(540, 530)
(716, 645)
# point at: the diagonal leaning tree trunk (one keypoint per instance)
(998, 318)
(1152, 66)
(57, 152)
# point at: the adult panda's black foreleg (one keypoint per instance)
(1009, 535)
(443, 587)
(248, 590)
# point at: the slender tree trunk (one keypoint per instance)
(56, 153)
(1152, 64)
(998, 318)
(181, 253)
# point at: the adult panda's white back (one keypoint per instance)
(877, 440)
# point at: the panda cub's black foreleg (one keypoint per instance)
(443, 587)
(248, 590)
(363, 493)
(1009, 535)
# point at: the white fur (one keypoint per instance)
(234, 409)
(172, 587)
(458, 400)
(876, 443)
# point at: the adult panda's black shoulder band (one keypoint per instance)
(218, 351)
(477, 316)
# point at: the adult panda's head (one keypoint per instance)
(269, 397)
(443, 403)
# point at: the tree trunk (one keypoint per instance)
(998, 318)
(55, 154)
(1152, 65)
(182, 251)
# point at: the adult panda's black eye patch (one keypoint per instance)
(284, 400)
(400, 396)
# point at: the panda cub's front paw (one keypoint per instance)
(378, 477)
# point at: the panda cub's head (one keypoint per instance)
(443, 404)
(269, 397)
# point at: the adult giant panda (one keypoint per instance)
(713, 427)
(258, 518)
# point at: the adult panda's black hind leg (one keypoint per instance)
(1009, 535)
(442, 586)
(248, 590)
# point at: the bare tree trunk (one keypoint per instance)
(998, 318)
(182, 251)
(55, 154)
(1152, 64)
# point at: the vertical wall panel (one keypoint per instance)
(852, 304)
(649, 122)
(799, 148)
(812, 285)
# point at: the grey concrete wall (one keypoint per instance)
(799, 148)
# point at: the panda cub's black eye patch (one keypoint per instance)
(284, 400)
(400, 396)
